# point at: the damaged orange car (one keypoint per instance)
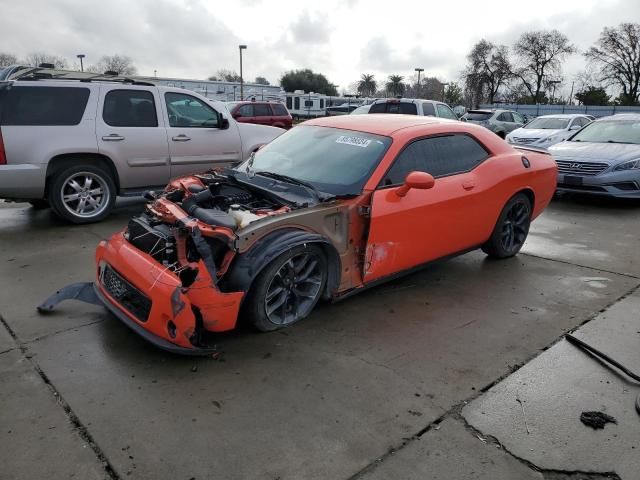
(329, 208)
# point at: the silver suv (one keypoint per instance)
(76, 144)
(413, 106)
(501, 122)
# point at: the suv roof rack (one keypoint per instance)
(52, 74)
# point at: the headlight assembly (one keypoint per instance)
(632, 165)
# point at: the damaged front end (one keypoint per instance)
(161, 276)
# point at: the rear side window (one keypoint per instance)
(129, 108)
(261, 110)
(279, 110)
(505, 117)
(439, 156)
(428, 110)
(44, 105)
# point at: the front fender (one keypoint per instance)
(247, 266)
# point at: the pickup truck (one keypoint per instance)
(76, 141)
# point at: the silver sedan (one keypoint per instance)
(602, 159)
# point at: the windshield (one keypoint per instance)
(479, 116)
(334, 161)
(548, 123)
(610, 131)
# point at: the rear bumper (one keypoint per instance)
(22, 182)
(625, 184)
(177, 316)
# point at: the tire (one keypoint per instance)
(39, 204)
(273, 303)
(511, 229)
(82, 193)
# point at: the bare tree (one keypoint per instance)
(36, 58)
(261, 81)
(617, 53)
(120, 64)
(225, 76)
(488, 69)
(539, 57)
(7, 59)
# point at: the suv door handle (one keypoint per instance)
(114, 137)
(468, 185)
(181, 138)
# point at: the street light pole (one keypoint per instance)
(81, 56)
(419, 70)
(241, 47)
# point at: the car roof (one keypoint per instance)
(621, 116)
(405, 100)
(563, 115)
(376, 123)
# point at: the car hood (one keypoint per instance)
(534, 132)
(611, 153)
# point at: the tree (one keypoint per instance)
(367, 85)
(593, 96)
(617, 54)
(35, 59)
(120, 64)
(395, 86)
(307, 81)
(453, 94)
(488, 69)
(539, 56)
(261, 81)
(7, 59)
(224, 75)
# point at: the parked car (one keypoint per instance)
(261, 113)
(76, 141)
(499, 121)
(602, 159)
(413, 106)
(326, 210)
(361, 110)
(547, 130)
(342, 109)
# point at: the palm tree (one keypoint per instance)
(394, 85)
(367, 85)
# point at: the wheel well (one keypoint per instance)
(61, 161)
(530, 195)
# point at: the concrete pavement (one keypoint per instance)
(354, 391)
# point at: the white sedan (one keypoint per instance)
(548, 130)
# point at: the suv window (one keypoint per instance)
(439, 156)
(44, 105)
(129, 108)
(245, 111)
(519, 118)
(394, 107)
(261, 110)
(428, 110)
(505, 117)
(189, 112)
(445, 112)
(280, 111)
(581, 121)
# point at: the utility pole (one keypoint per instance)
(81, 56)
(571, 94)
(241, 47)
(419, 70)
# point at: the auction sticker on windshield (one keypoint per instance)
(355, 141)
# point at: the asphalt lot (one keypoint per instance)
(404, 381)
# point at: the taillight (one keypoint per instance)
(3, 155)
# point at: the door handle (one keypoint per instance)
(468, 185)
(181, 138)
(114, 137)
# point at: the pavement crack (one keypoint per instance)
(566, 262)
(57, 332)
(77, 424)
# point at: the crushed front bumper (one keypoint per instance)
(150, 299)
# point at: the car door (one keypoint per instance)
(507, 122)
(425, 225)
(131, 133)
(198, 140)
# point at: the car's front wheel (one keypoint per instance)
(286, 291)
(511, 229)
(82, 193)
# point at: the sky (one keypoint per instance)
(339, 38)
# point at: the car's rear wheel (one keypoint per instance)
(511, 229)
(286, 291)
(82, 193)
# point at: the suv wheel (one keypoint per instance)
(82, 193)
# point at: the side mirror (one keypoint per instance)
(574, 128)
(223, 122)
(419, 180)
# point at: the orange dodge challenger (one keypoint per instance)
(327, 209)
